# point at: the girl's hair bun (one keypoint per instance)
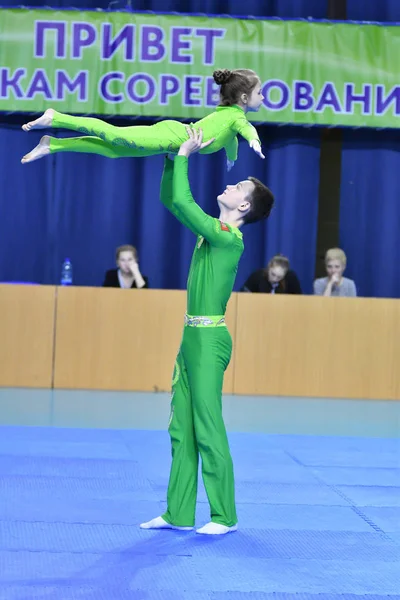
(222, 76)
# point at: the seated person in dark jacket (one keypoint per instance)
(128, 274)
(276, 278)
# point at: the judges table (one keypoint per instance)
(112, 339)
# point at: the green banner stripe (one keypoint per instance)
(140, 64)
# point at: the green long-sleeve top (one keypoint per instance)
(218, 248)
(223, 124)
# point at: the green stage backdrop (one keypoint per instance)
(313, 73)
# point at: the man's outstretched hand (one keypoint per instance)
(194, 143)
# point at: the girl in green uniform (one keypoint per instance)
(240, 93)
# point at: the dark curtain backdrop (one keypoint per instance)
(373, 10)
(286, 9)
(83, 206)
(370, 189)
(370, 211)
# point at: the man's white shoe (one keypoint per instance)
(216, 529)
(159, 523)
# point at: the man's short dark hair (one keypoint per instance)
(261, 200)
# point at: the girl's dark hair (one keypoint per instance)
(234, 84)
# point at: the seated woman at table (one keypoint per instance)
(128, 274)
(275, 278)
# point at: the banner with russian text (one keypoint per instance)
(140, 64)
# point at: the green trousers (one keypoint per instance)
(197, 428)
(117, 142)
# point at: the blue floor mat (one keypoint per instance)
(319, 519)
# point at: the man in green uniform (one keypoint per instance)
(196, 423)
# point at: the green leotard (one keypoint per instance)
(147, 140)
(196, 423)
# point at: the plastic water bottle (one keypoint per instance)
(66, 272)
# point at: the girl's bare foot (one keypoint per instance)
(42, 122)
(42, 149)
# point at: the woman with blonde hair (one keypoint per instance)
(335, 284)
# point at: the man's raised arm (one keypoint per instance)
(184, 206)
